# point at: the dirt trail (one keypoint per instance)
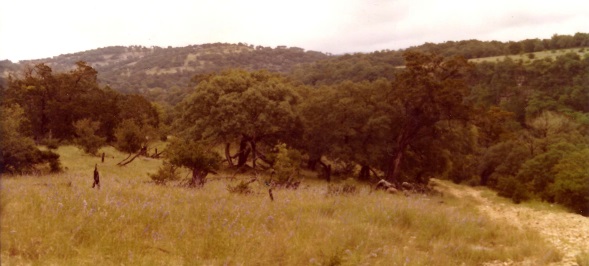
(568, 232)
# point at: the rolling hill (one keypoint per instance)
(137, 69)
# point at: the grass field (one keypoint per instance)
(59, 220)
(525, 57)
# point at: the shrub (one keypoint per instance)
(194, 156)
(130, 137)
(286, 164)
(241, 188)
(167, 172)
(18, 153)
(87, 138)
(512, 188)
(348, 187)
(571, 185)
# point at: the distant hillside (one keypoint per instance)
(138, 69)
(530, 57)
(164, 74)
(378, 64)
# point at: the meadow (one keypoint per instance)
(59, 219)
(529, 57)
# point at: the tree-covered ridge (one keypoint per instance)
(378, 64)
(155, 70)
(138, 69)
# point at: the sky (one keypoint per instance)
(34, 29)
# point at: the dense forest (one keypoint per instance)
(521, 128)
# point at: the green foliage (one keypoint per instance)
(539, 171)
(53, 102)
(255, 108)
(86, 135)
(510, 122)
(286, 164)
(347, 122)
(502, 160)
(511, 187)
(167, 172)
(430, 90)
(18, 153)
(140, 110)
(130, 136)
(153, 71)
(571, 185)
(194, 156)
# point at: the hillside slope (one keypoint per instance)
(568, 232)
(138, 69)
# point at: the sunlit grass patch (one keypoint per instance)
(525, 57)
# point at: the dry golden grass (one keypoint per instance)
(58, 219)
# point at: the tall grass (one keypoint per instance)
(59, 219)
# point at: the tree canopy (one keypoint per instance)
(239, 106)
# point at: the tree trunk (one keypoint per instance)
(253, 144)
(312, 164)
(243, 152)
(394, 168)
(263, 157)
(228, 154)
(143, 152)
(326, 170)
(130, 154)
(374, 173)
(364, 174)
(198, 178)
(402, 142)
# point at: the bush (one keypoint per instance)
(510, 187)
(167, 172)
(241, 188)
(286, 164)
(130, 136)
(18, 153)
(194, 156)
(87, 138)
(571, 185)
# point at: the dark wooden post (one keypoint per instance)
(96, 177)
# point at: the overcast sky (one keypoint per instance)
(32, 29)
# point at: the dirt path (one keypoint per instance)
(568, 232)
